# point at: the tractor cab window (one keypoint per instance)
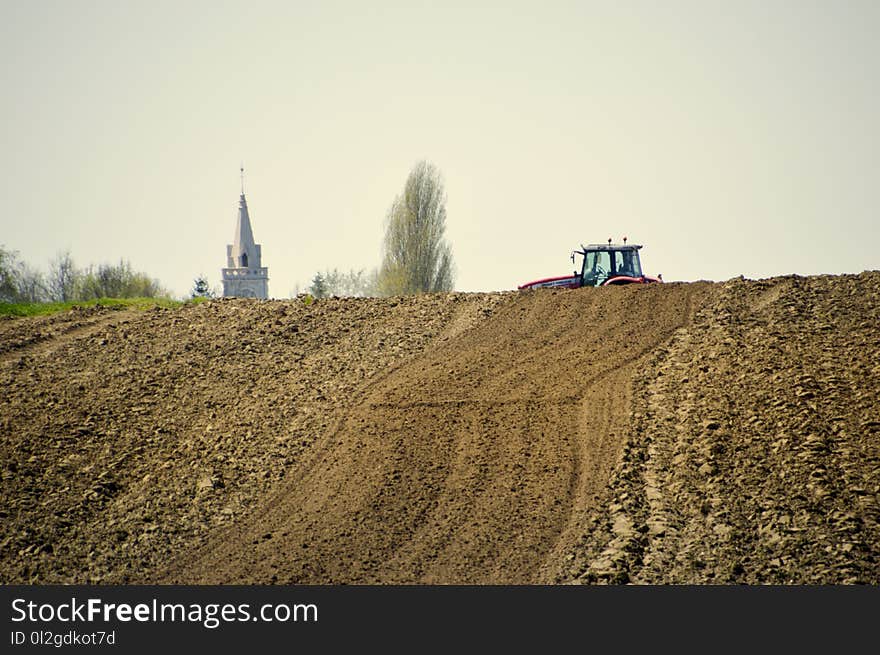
(597, 267)
(626, 262)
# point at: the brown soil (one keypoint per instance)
(675, 433)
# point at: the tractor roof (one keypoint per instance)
(610, 246)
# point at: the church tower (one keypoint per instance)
(244, 275)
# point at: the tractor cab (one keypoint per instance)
(601, 265)
(612, 264)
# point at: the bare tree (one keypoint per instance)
(353, 284)
(19, 281)
(31, 284)
(62, 277)
(8, 282)
(416, 257)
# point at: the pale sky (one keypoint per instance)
(729, 138)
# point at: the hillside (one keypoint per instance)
(677, 433)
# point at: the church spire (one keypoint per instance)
(244, 274)
(243, 243)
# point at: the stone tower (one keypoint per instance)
(244, 275)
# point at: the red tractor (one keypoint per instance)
(602, 265)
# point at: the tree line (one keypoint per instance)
(416, 258)
(65, 282)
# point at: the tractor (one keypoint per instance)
(602, 265)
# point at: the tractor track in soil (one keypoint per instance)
(680, 432)
(458, 467)
(48, 334)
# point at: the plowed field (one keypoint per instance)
(673, 433)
